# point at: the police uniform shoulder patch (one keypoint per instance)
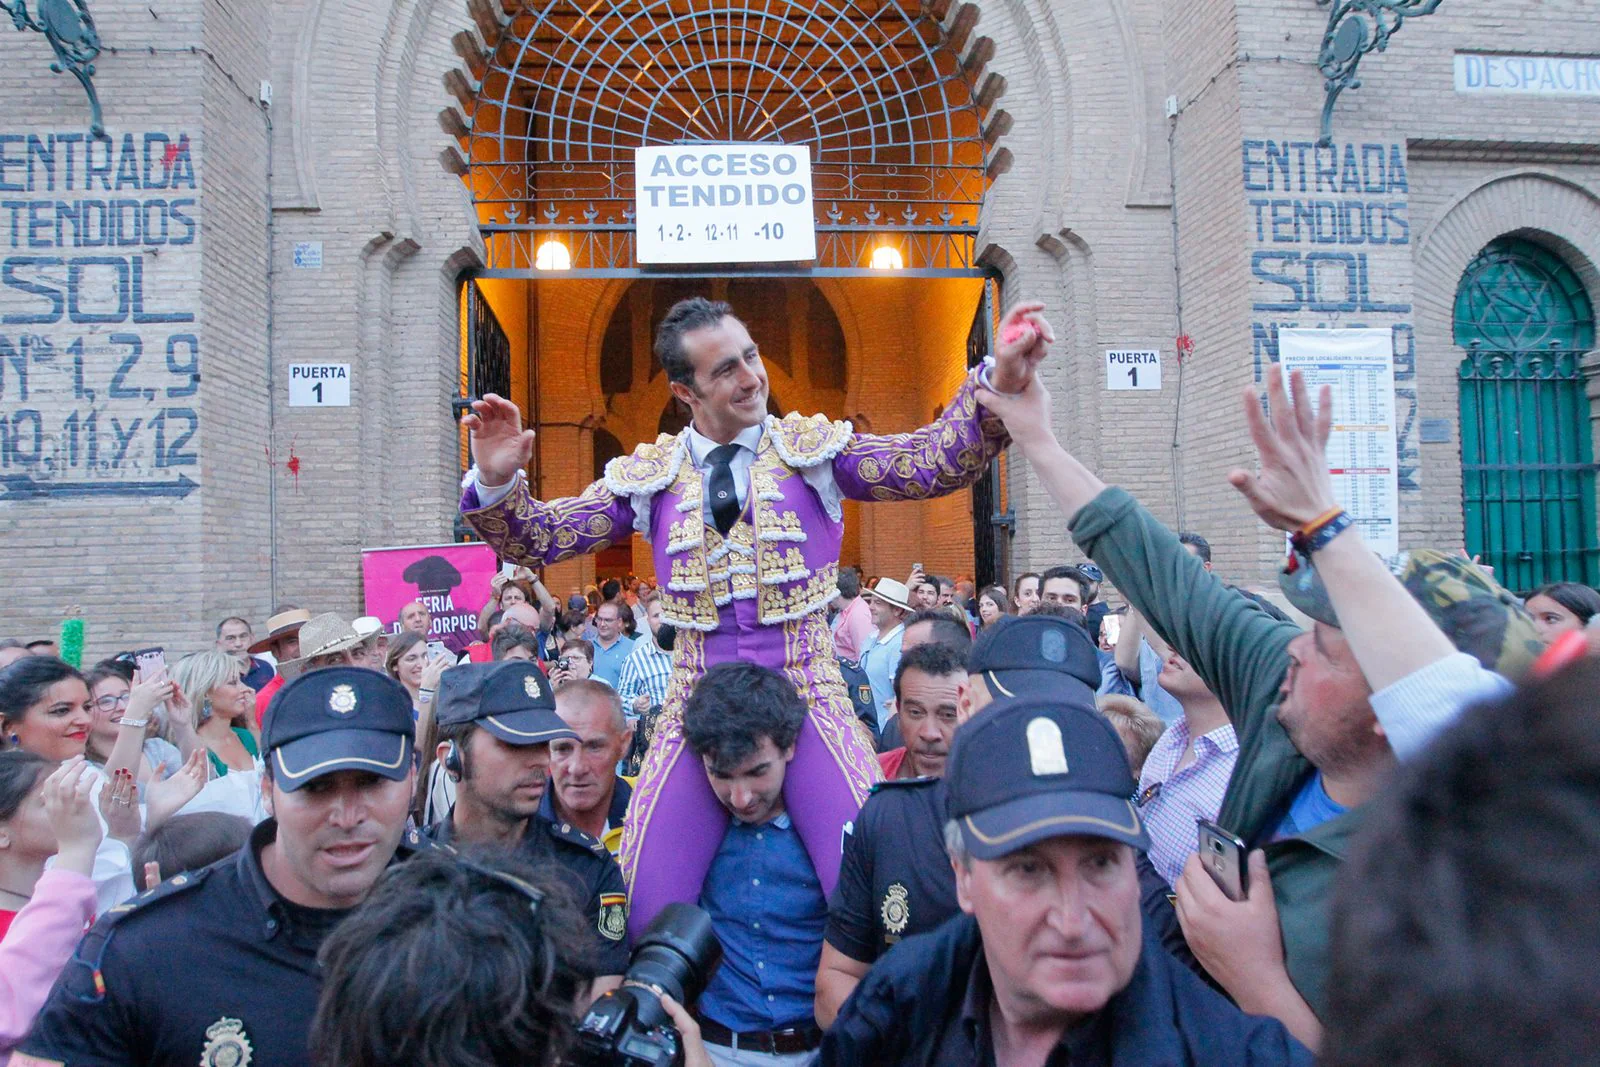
(613, 922)
(895, 910)
(174, 886)
(574, 836)
(227, 1045)
(416, 841)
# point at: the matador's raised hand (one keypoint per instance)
(1024, 340)
(500, 446)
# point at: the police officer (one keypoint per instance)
(1049, 962)
(219, 966)
(895, 880)
(496, 722)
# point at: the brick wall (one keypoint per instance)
(1082, 220)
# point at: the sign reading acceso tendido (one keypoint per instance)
(724, 203)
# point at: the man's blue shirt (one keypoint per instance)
(1311, 807)
(608, 662)
(767, 908)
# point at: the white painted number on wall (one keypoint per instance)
(1133, 368)
(319, 385)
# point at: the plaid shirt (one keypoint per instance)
(646, 670)
(1171, 801)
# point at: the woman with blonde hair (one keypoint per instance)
(223, 707)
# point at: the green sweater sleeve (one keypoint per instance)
(1238, 649)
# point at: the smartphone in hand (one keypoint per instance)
(151, 662)
(1223, 856)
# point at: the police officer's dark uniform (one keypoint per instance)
(895, 879)
(215, 967)
(512, 700)
(1023, 771)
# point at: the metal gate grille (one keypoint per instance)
(891, 98)
(991, 521)
(1527, 458)
(488, 348)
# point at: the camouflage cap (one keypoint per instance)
(1475, 613)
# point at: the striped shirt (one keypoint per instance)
(646, 670)
(1170, 800)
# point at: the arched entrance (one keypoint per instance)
(899, 114)
(1527, 455)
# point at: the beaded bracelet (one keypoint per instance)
(1315, 535)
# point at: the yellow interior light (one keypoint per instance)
(886, 257)
(552, 255)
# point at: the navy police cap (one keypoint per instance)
(511, 699)
(338, 719)
(1029, 654)
(1023, 771)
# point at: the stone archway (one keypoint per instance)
(1551, 209)
(892, 100)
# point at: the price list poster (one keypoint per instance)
(1359, 365)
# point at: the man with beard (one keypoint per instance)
(496, 722)
(220, 965)
(1321, 716)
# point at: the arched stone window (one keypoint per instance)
(1527, 455)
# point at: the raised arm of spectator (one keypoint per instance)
(143, 700)
(490, 606)
(1237, 649)
(1390, 634)
(44, 932)
(546, 598)
(1128, 642)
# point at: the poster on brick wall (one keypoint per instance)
(1358, 364)
(99, 309)
(1330, 246)
(451, 581)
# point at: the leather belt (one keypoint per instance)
(789, 1040)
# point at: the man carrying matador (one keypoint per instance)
(743, 514)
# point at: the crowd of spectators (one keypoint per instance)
(1128, 813)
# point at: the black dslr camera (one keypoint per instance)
(628, 1027)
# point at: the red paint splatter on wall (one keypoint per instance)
(1185, 346)
(294, 466)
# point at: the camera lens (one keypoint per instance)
(678, 953)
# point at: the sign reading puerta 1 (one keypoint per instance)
(724, 203)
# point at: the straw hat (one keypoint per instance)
(892, 592)
(322, 635)
(282, 625)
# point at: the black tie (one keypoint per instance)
(724, 501)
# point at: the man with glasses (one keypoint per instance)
(234, 636)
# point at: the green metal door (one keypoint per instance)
(1527, 461)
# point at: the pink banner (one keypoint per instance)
(451, 581)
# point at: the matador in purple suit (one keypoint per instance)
(743, 514)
